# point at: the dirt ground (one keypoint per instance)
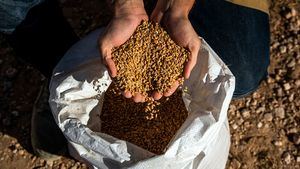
(264, 126)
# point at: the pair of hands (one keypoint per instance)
(124, 23)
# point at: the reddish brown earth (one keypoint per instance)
(264, 126)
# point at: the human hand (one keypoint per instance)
(128, 14)
(174, 17)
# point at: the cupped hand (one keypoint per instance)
(182, 32)
(116, 33)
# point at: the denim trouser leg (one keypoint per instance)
(239, 35)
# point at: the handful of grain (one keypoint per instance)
(149, 61)
(148, 125)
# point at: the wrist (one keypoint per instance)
(128, 7)
(180, 8)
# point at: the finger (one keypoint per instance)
(105, 51)
(159, 11)
(138, 97)
(156, 95)
(111, 66)
(172, 89)
(192, 60)
(127, 94)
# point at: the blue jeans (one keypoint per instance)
(239, 35)
(13, 12)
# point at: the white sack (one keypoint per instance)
(203, 141)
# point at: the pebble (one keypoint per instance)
(235, 126)
(292, 63)
(288, 15)
(279, 92)
(287, 157)
(296, 139)
(295, 74)
(298, 159)
(63, 166)
(282, 49)
(286, 86)
(246, 113)
(259, 124)
(49, 163)
(297, 82)
(235, 163)
(74, 167)
(294, 12)
(240, 121)
(291, 97)
(268, 116)
(292, 130)
(21, 152)
(260, 110)
(278, 143)
(280, 112)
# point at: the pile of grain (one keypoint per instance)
(149, 61)
(150, 126)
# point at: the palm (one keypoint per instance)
(120, 29)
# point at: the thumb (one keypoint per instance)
(159, 10)
(192, 60)
(105, 51)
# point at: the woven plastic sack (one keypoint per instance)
(203, 140)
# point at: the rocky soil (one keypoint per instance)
(264, 126)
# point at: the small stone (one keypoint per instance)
(259, 124)
(292, 63)
(286, 86)
(235, 126)
(270, 80)
(15, 151)
(280, 112)
(235, 163)
(288, 15)
(74, 167)
(296, 139)
(17, 145)
(246, 113)
(278, 143)
(260, 110)
(291, 97)
(297, 83)
(49, 163)
(287, 157)
(282, 49)
(21, 152)
(268, 116)
(240, 121)
(279, 92)
(33, 159)
(292, 130)
(295, 74)
(294, 12)
(254, 103)
(247, 124)
(298, 159)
